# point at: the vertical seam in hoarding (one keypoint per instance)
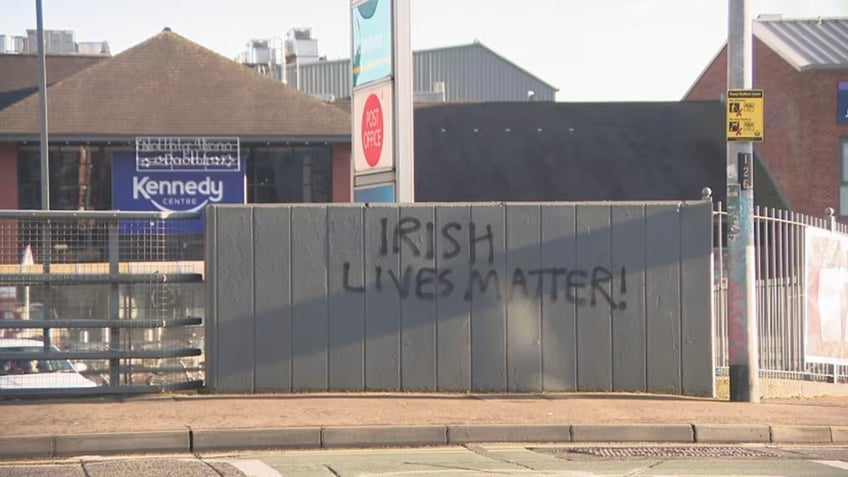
(611, 293)
(541, 311)
(682, 211)
(291, 300)
(327, 294)
(364, 352)
(645, 293)
(216, 333)
(399, 348)
(252, 261)
(505, 220)
(541, 295)
(574, 305)
(435, 336)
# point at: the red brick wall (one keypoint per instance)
(818, 180)
(341, 173)
(712, 84)
(8, 175)
(801, 143)
(8, 200)
(781, 149)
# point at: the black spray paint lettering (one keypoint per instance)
(590, 286)
(575, 283)
(482, 282)
(581, 287)
(407, 228)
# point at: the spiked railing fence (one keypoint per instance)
(781, 297)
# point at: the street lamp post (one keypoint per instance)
(741, 307)
(42, 97)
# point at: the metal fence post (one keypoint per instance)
(114, 302)
(830, 218)
(46, 305)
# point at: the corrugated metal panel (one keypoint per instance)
(321, 79)
(470, 73)
(807, 44)
(476, 73)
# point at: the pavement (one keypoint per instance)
(196, 422)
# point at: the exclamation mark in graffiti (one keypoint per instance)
(622, 305)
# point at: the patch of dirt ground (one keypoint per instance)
(199, 411)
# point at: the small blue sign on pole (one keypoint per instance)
(842, 102)
(379, 193)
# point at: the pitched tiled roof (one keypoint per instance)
(169, 85)
(20, 73)
(819, 43)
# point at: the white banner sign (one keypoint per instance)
(826, 330)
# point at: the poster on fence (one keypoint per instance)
(826, 324)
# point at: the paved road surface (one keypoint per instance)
(473, 459)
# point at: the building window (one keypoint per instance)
(80, 178)
(843, 186)
(282, 174)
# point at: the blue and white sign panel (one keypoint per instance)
(372, 40)
(178, 175)
(842, 102)
(379, 193)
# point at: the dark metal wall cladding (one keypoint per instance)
(329, 298)
(569, 151)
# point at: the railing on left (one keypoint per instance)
(100, 302)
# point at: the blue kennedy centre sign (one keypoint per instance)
(172, 174)
(842, 102)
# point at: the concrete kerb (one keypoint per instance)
(383, 436)
(731, 433)
(122, 443)
(807, 434)
(632, 433)
(205, 440)
(26, 446)
(839, 434)
(468, 434)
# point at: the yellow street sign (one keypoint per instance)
(745, 115)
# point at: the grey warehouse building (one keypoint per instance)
(463, 73)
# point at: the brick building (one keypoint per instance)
(294, 148)
(802, 67)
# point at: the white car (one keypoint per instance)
(37, 374)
